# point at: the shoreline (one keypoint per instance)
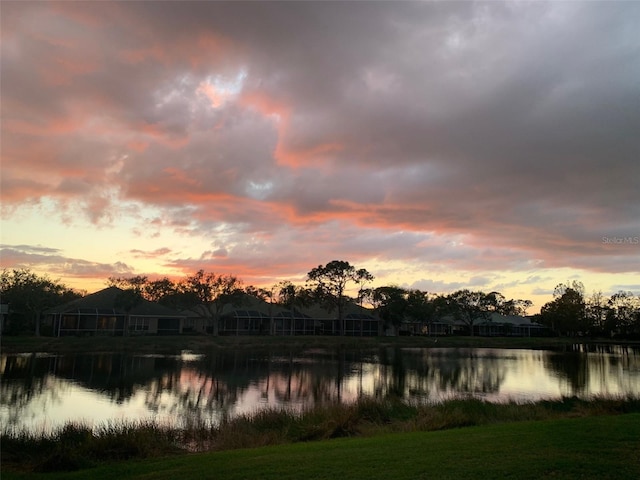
(83, 448)
(204, 344)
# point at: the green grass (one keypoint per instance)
(80, 447)
(600, 447)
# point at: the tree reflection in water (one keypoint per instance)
(23, 380)
(596, 369)
(422, 374)
(226, 383)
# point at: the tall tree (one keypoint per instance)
(258, 292)
(265, 295)
(390, 303)
(330, 282)
(566, 314)
(29, 294)
(520, 306)
(597, 313)
(206, 293)
(139, 287)
(469, 307)
(363, 277)
(624, 307)
(498, 303)
(291, 296)
(136, 283)
(420, 307)
(161, 290)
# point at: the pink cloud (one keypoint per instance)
(158, 252)
(338, 131)
(53, 262)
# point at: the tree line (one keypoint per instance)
(572, 313)
(206, 293)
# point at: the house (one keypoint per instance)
(112, 311)
(4, 314)
(248, 315)
(358, 321)
(494, 326)
(253, 316)
(436, 327)
(294, 322)
(509, 326)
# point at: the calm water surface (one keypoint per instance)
(41, 391)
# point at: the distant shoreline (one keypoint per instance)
(203, 344)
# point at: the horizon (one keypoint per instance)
(351, 291)
(439, 145)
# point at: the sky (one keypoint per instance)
(439, 145)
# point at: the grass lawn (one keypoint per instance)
(599, 447)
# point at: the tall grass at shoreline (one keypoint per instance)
(77, 446)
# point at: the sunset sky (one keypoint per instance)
(444, 145)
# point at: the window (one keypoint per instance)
(137, 324)
(106, 323)
(69, 321)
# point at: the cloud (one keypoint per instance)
(543, 291)
(31, 249)
(634, 288)
(159, 252)
(50, 260)
(470, 136)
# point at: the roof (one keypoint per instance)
(109, 300)
(254, 307)
(508, 319)
(244, 305)
(495, 319)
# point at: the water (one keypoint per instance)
(40, 392)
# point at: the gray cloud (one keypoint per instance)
(37, 257)
(352, 129)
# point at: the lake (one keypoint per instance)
(43, 391)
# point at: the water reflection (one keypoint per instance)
(44, 391)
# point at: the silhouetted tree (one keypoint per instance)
(518, 307)
(29, 295)
(330, 282)
(136, 283)
(420, 307)
(390, 303)
(206, 294)
(598, 315)
(624, 312)
(291, 296)
(162, 290)
(469, 307)
(566, 314)
(362, 278)
(498, 303)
